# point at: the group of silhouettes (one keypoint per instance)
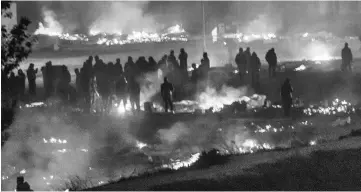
(111, 79)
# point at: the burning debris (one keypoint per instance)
(337, 107)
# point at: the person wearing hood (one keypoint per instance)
(31, 73)
(241, 64)
(167, 94)
(346, 55)
(286, 96)
(183, 57)
(271, 58)
(255, 71)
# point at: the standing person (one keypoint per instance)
(206, 61)
(134, 94)
(194, 77)
(21, 83)
(167, 92)
(48, 77)
(255, 70)
(152, 64)
(77, 81)
(172, 61)
(247, 55)
(22, 185)
(346, 55)
(241, 64)
(121, 90)
(183, 57)
(31, 73)
(286, 95)
(118, 67)
(271, 59)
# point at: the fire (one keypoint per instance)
(177, 164)
(337, 107)
(175, 29)
(301, 68)
(141, 145)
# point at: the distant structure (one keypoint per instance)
(10, 22)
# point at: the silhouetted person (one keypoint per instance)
(247, 54)
(255, 71)
(77, 80)
(63, 86)
(31, 73)
(206, 61)
(21, 83)
(194, 77)
(271, 59)
(21, 185)
(346, 55)
(48, 79)
(172, 61)
(167, 91)
(152, 64)
(286, 95)
(241, 64)
(118, 67)
(121, 90)
(183, 57)
(134, 94)
(13, 85)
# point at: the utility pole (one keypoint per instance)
(204, 29)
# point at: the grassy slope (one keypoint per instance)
(331, 166)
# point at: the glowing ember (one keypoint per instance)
(337, 107)
(35, 104)
(313, 143)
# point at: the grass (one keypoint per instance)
(323, 170)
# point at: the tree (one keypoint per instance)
(16, 44)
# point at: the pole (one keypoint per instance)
(204, 29)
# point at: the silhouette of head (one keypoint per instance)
(165, 79)
(240, 50)
(31, 65)
(194, 65)
(130, 59)
(254, 54)
(118, 60)
(90, 58)
(20, 180)
(182, 50)
(248, 49)
(171, 52)
(96, 58)
(346, 44)
(272, 49)
(287, 81)
(76, 70)
(205, 54)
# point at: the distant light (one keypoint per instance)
(23, 171)
(305, 35)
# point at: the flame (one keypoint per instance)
(175, 29)
(177, 164)
(141, 145)
(337, 107)
(301, 68)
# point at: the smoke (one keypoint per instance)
(121, 18)
(51, 26)
(52, 146)
(264, 24)
(150, 85)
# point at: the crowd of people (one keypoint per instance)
(96, 78)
